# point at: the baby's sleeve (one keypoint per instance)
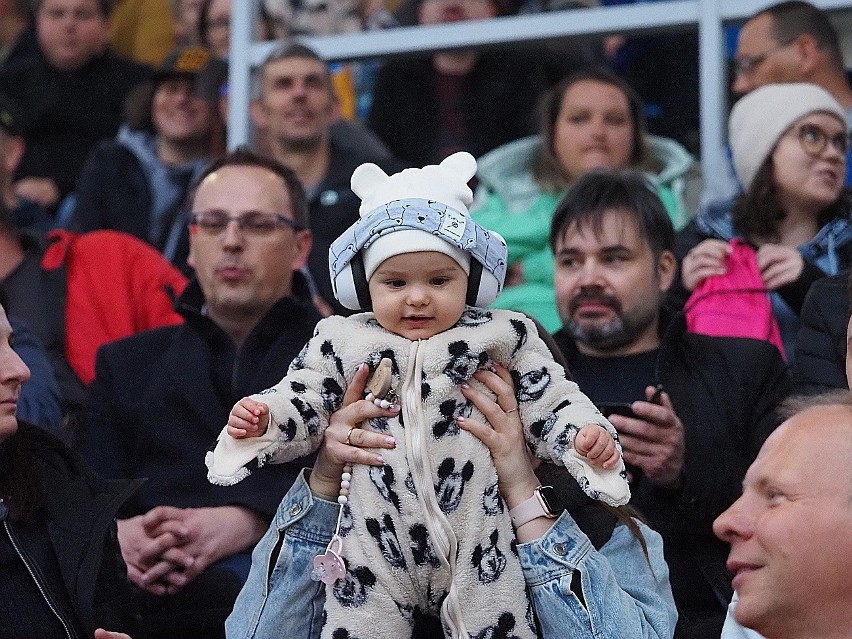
(553, 409)
(300, 406)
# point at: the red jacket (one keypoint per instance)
(117, 285)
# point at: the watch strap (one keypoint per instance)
(530, 509)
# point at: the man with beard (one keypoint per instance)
(688, 446)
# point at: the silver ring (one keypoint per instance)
(346, 441)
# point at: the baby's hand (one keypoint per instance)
(248, 418)
(596, 444)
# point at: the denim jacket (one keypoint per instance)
(625, 596)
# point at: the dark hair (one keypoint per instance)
(758, 212)
(204, 21)
(244, 157)
(291, 49)
(104, 6)
(599, 192)
(794, 18)
(546, 168)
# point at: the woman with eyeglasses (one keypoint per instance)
(789, 144)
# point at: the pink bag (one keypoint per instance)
(735, 304)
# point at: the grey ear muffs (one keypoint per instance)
(353, 291)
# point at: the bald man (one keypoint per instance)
(791, 531)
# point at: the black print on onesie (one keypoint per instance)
(309, 416)
(451, 483)
(385, 535)
(463, 362)
(449, 410)
(474, 317)
(380, 424)
(412, 614)
(327, 350)
(409, 485)
(332, 395)
(421, 546)
(425, 391)
(288, 430)
(346, 521)
(298, 362)
(383, 479)
(521, 331)
(489, 561)
(375, 357)
(531, 386)
(351, 590)
(492, 503)
(342, 633)
(501, 630)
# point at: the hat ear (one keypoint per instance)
(365, 178)
(461, 164)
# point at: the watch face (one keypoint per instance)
(548, 496)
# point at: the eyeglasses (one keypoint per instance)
(746, 65)
(252, 223)
(814, 139)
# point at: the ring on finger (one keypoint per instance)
(348, 435)
(510, 411)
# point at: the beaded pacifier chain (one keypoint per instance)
(329, 566)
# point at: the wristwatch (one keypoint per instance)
(543, 503)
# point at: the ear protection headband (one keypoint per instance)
(487, 249)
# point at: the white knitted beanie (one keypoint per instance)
(760, 118)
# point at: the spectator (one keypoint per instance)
(790, 41)
(688, 450)
(26, 213)
(295, 108)
(160, 398)
(40, 402)
(789, 146)
(214, 26)
(594, 567)
(70, 96)
(61, 571)
(76, 292)
(427, 108)
(791, 530)
(591, 119)
(821, 343)
(185, 14)
(142, 30)
(137, 182)
(17, 37)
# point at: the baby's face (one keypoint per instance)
(418, 295)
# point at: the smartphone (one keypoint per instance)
(616, 408)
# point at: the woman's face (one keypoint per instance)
(593, 130)
(806, 176)
(13, 373)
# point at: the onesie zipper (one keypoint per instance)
(440, 531)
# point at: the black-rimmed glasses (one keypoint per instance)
(252, 223)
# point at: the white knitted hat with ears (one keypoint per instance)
(445, 183)
(760, 118)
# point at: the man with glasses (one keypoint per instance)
(786, 42)
(160, 399)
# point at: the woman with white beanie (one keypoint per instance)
(789, 144)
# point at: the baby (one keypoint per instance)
(428, 530)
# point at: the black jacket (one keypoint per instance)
(79, 509)
(820, 363)
(333, 208)
(497, 104)
(64, 113)
(160, 399)
(725, 391)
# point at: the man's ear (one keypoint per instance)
(809, 54)
(304, 241)
(666, 270)
(257, 114)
